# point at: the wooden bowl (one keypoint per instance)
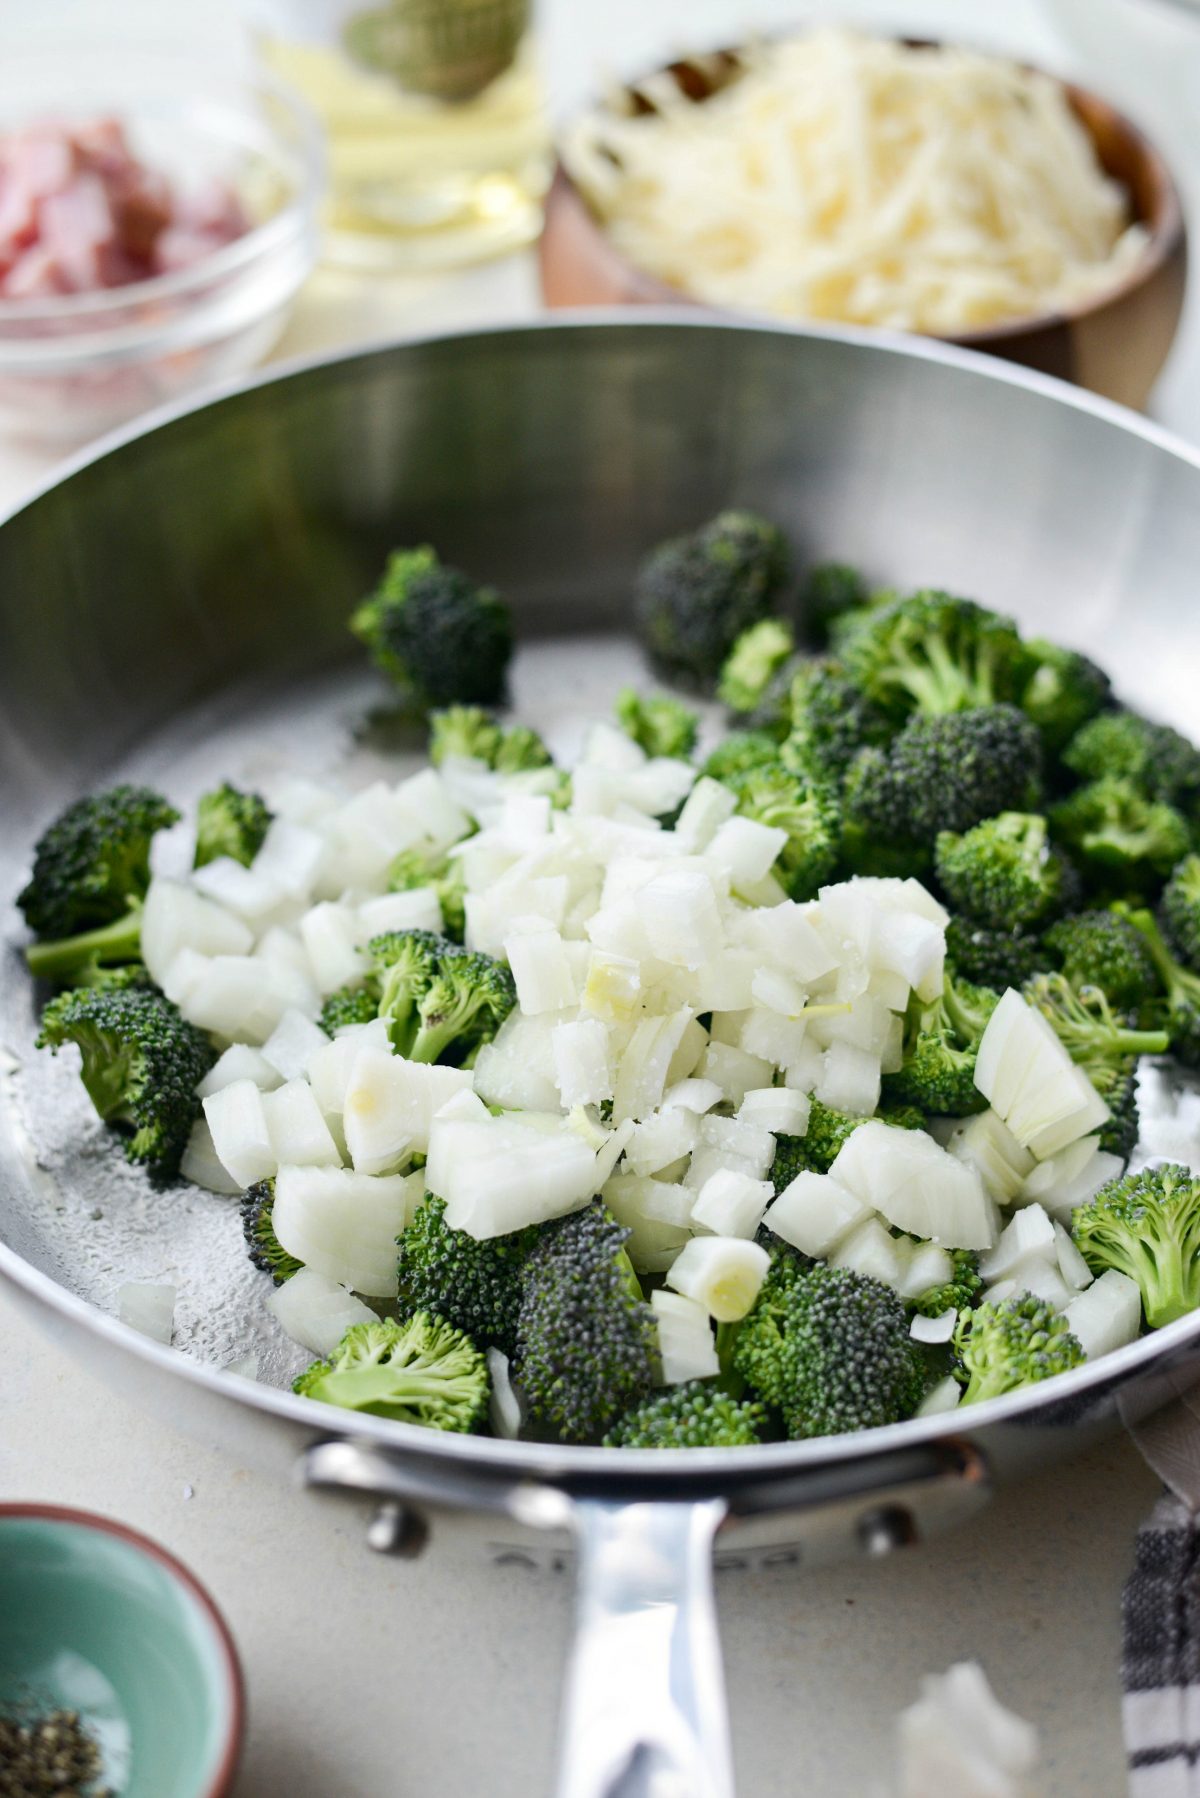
(1114, 343)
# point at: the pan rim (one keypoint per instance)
(498, 1460)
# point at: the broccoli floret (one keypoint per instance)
(262, 1244)
(587, 1342)
(102, 979)
(934, 653)
(142, 1062)
(1083, 1022)
(93, 860)
(941, 1042)
(1015, 1343)
(84, 960)
(830, 720)
(1181, 986)
(1181, 910)
(697, 1414)
(831, 1349)
(1005, 871)
(828, 592)
(1159, 762)
(1096, 948)
(420, 1371)
(350, 1005)
(1122, 837)
(467, 730)
(405, 965)
(807, 809)
(753, 666)
(740, 752)
(230, 822)
(443, 872)
(475, 1285)
(817, 1150)
(1147, 1225)
(960, 1291)
(464, 1005)
(695, 595)
(1119, 1134)
(864, 853)
(436, 635)
(946, 773)
(660, 724)
(992, 958)
(1064, 691)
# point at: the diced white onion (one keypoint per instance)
(292, 1044)
(814, 1214)
(722, 1273)
(240, 1135)
(344, 1224)
(201, 1164)
(240, 1062)
(686, 1344)
(934, 1329)
(731, 1204)
(1107, 1316)
(315, 1311)
(298, 1131)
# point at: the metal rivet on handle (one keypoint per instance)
(891, 1526)
(396, 1530)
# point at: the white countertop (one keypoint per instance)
(438, 1678)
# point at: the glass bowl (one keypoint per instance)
(74, 365)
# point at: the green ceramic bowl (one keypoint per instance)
(96, 1619)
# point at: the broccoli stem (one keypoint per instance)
(117, 942)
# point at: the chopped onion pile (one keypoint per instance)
(622, 934)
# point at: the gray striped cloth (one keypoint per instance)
(1160, 1663)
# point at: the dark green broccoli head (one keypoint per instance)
(831, 720)
(1122, 838)
(1181, 1011)
(419, 1371)
(935, 653)
(946, 773)
(230, 822)
(831, 1349)
(1064, 690)
(1015, 1343)
(474, 1285)
(807, 809)
(142, 1062)
(877, 857)
(587, 1342)
(694, 596)
(1159, 762)
(941, 1042)
(444, 873)
(992, 958)
(1097, 948)
(697, 1414)
(1181, 910)
(828, 592)
(93, 860)
(1084, 1024)
(753, 665)
(960, 1291)
(358, 1004)
(463, 1007)
(739, 752)
(1119, 1090)
(437, 636)
(817, 1150)
(1005, 871)
(1147, 1225)
(660, 724)
(262, 1244)
(405, 965)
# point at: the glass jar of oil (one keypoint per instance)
(438, 142)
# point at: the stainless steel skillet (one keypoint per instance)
(174, 608)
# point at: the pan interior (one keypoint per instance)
(236, 537)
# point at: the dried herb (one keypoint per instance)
(48, 1757)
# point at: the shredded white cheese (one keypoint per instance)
(847, 177)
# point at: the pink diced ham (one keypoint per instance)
(79, 213)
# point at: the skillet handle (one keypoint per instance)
(644, 1713)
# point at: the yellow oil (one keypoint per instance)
(421, 182)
